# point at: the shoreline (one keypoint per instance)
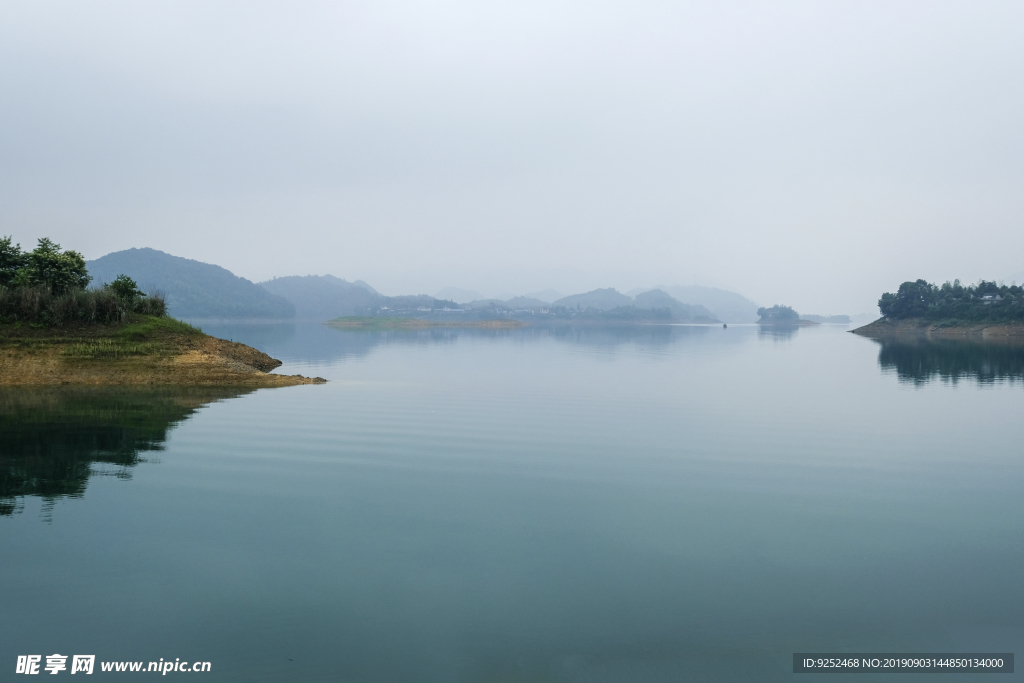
(917, 327)
(143, 352)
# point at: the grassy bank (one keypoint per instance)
(140, 350)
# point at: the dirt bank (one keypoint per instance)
(923, 328)
(145, 351)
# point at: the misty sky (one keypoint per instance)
(807, 153)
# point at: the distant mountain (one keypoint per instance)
(727, 306)
(600, 305)
(193, 289)
(414, 302)
(830, 319)
(323, 297)
(657, 298)
(599, 299)
(516, 303)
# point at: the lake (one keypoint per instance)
(660, 503)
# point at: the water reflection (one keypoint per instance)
(317, 343)
(920, 361)
(777, 332)
(55, 438)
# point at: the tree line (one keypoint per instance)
(48, 286)
(983, 302)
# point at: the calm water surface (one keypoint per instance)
(645, 504)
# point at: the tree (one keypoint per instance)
(48, 266)
(125, 288)
(911, 300)
(12, 259)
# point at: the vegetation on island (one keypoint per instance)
(54, 330)
(47, 287)
(778, 314)
(952, 303)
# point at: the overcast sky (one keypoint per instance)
(807, 153)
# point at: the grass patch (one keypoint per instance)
(151, 326)
(110, 349)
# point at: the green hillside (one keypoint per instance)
(192, 289)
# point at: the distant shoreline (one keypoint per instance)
(918, 327)
(389, 323)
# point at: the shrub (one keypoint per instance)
(47, 287)
(125, 287)
(40, 305)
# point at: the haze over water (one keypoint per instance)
(650, 503)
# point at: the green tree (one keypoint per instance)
(12, 259)
(125, 287)
(48, 266)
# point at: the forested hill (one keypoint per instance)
(325, 297)
(193, 289)
(980, 303)
(727, 306)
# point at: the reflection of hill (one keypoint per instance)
(54, 437)
(921, 361)
(617, 335)
(308, 342)
(316, 343)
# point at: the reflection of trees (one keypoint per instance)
(920, 361)
(778, 331)
(54, 438)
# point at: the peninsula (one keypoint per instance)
(986, 310)
(55, 331)
(143, 350)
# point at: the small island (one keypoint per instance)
(384, 322)
(55, 331)
(782, 316)
(985, 310)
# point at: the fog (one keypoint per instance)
(805, 153)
